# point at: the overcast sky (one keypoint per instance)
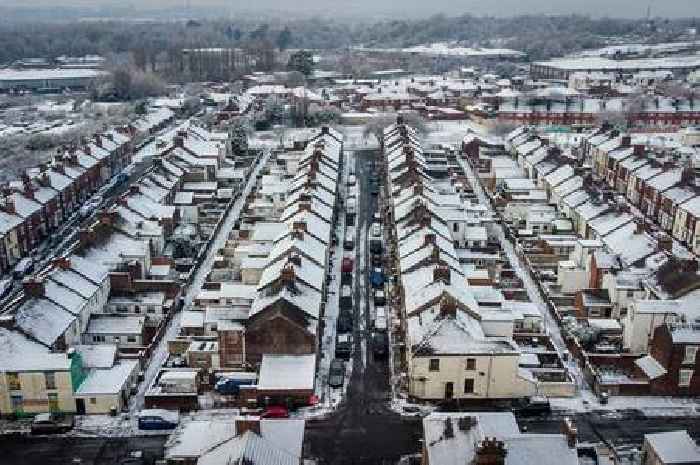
(617, 8)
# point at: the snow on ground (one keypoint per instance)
(448, 132)
(331, 397)
(361, 274)
(649, 406)
(160, 354)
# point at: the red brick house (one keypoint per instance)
(675, 347)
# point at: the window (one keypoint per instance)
(455, 227)
(434, 364)
(131, 338)
(93, 400)
(98, 338)
(50, 378)
(630, 293)
(137, 309)
(469, 385)
(690, 353)
(471, 364)
(151, 309)
(684, 377)
(13, 381)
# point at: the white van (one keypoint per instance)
(351, 206)
(376, 230)
(380, 319)
(349, 242)
(352, 180)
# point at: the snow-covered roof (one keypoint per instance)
(287, 372)
(97, 355)
(674, 447)
(19, 353)
(108, 381)
(650, 367)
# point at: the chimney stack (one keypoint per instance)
(295, 259)
(639, 150)
(441, 273)
(8, 205)
(288, 276)
(448, 307)
(61, 262)
(299, 226)
(429, 239)
(626, 141)
(490, 452)
(639, 225)
(664, 242)
(245, 424)
(107, 217)
(33, 287)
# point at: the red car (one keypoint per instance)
(346, 265)
(275, 411)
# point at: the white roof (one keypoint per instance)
(287, 372)
(650, 367)
(674, 447)
(21, 354)
(108, 380)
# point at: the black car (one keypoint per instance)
(52, 423)
(534, 406)
(345, 322)
(380, 344)
(336, 375)
(343, 346)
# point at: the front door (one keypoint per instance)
(80, 406)
(53, 402)
(17, 404)
(449, 390)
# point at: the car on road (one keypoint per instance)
(347, 265)
(352, 180)
(379, 297)
(376, 230)
(5, 287)
(380, 344)
(344, 323)
(349, 242)
(377, 217)
(376, 246)
(24, 266)
(377, 278)
(379, 318)
(343, 346)
(533, 406)
(52, 423)
(345, 297)
(336, 375)
(275, 411)
(158, 419)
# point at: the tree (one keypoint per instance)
(302, 61)
(321, 116)
(284, 38)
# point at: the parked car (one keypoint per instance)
(275, 411)
(377, 278)
(52, 423)
(352, 180)
(376, 246)
(349, 242)
(345, 322)
(343, 346)
(532, 407)
(345, 297)
(377, 217)
(23, 267)
(380, 318)
(376, 230)
(380, 344)
(377, 260)
(158, 419)
(230, 384)
(5, 287)
(379, 297)
(336, 375)
(347, 265)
